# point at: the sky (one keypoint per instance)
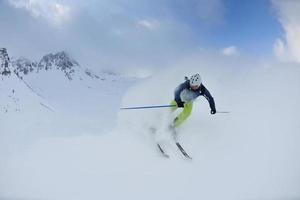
(146, 33)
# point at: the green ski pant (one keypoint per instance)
(186, 112)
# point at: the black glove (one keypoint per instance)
(180, 104)
(213, 112)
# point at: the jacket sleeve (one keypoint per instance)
(178, 90)
(209, 98)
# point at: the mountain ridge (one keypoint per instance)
(54, 76)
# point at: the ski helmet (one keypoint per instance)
(195, 80)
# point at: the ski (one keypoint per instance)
(178, 144)
(162, 151)
(183, 151)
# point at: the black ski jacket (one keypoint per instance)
(184, 93)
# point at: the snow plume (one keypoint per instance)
(251, 153)
(288, 49)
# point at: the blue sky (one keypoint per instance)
(250, 25)
(140, 31)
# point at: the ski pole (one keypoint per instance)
(225, 112)
(147, 107)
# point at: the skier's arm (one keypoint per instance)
(178, 90)
(209, 98)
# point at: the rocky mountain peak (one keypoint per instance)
(61, 61)
(4, 62)
(23, 66)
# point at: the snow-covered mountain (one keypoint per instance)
(4, 62)
(58, 75)
(60, 61)
(8, 95)
(23, 66)
(57, 92)
(15, 94)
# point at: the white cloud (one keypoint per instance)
(108, 28)
(288, 47)
(280, 50)
(54, 12)
(230, 51)
(60, 12)
(149, 24)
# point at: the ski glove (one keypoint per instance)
(213, 112)
(180, 104)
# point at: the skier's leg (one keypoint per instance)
(187, 110)
(174, 107)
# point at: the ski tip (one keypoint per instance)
(163, 153)
(183, 151)
(188, 157)
(166, 156)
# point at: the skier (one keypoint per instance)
(185, 94)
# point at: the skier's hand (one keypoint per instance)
(213, 112)
(180, 104)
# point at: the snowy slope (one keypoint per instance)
(55, 97)
(67, 85)
(68, 90)
(15, 95)
(251, 153)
